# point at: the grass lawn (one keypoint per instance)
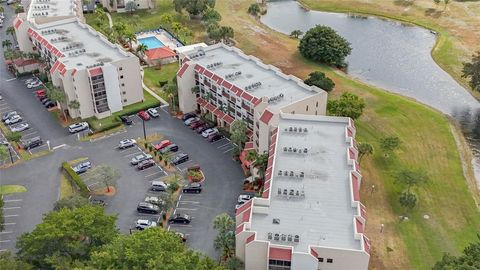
(428, 145)
(9, 189)
(66, 188)
(152, 77)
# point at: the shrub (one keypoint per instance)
(73, 176)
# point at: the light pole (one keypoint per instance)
(144, 132)
(10, 153)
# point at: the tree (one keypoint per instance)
(225, 240)
(389, 144)
(437, 2)
(446, 2)
(251, 155)
(349, 105)
(472, 70)
(171, 91)
(105, 174)
(254, 9)
(364, 149)
(14, 136)
(166, 20)
(261, 163)
(296, 33)
(239, 135)
(130, 37)
(7, 43)
(233, 263)
(410, 178)
(323, 44)
(193, 7)
(74, 105)
(469, 260)
(153, 248)
(211, 15)
(407, 199)
(319, 79)
(7, 261)
(11, 31)
(69, 233)
(72, 202)
(142, 48)
(2, 9)
(3, 153)
(130, 7)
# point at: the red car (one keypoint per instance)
(41, 93)
(197, 124)
(144, 115)
(162, 144)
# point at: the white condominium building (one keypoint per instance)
(122, 5)
(100, 75)
(230, 85)
(309, 216)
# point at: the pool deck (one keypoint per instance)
(161, 35)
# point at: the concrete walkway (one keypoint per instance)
(110, 22)
(154, 95)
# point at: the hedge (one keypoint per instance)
(76, 179)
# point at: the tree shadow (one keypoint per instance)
(432, 12)
(403, 3)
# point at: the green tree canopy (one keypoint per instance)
(319, 79)
(225, 240)
(72, 202)
(254, 9)
(211, 15)
(323, 44)
(193, 7)
(410, 178)
(68, 233)
(238, 135)
(472, 71)
(389, 144)
(348, 105)
(296, 33)
(130, 7)
(364, 149)
(7, 261)
(14, 136)
(469, 260)
(407, 199)
(154, 248)
(2, 219)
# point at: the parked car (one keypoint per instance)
(126, 143)
(31, 80)
(191, 120)
(154, 200)
(162, 144)
(188, 116)
(31, 143)
(202, 128)
(209, 132)
(10, 2)
(4, 143)
(158, 186)
(170, 148)
(244, 198)
(41, 93)
(196, 124)
(179, 218)
(7, 115)
(74, 128)
(143, 115)
(238, 205)
(143, 224)
(139, 158)
(34, 84)
(153, 112)
(1, 98)
(49, 104)
(179, 159)
(144, 207)
(19, 127)
(14, 119)
(146, 164)
(82, 167)
(192, 188)
(44, 100)
(215, 137)
(126, 120)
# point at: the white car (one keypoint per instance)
(19, 127)
(13, 119)
(154, 200)
(34, 84)
(209, 132)
(31, 80)
(74, 128)
(1, 98)
(126, 143)
(143, 224)
(191, 120)
(139, 158)
(153, 112)
(244, 198)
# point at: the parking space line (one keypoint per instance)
(6, 232)
(14, 200)
(152, 174)
(28, 134)
(228, 150)
(4, 241)
(193, 202)
(9, 224)
(11, 208)
(187, 209)
(126, 149)
(136, 153)
(181, 225)
(7, 216)
(223, 145)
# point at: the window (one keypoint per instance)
(123, 84)
(279, 265)
(329, 260)
(121, 76)
(124, 92)
(316, 113)
(306, 109)
(125, 100)
(293, 112)
(320, 259)
(317, 104)
(120, 68)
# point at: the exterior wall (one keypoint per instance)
(112, 88)
(314, 105)
(304, 261)
(27, 68)
(131, 89)
(118, 5)
(342, 259)
(23, 39)
(256, 255)
(187, 99)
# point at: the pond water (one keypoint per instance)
(390, 55)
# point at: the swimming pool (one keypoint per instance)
(151, 42)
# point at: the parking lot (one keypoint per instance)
(149, 174)
(12, 209)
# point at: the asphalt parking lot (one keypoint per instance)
(12, 210)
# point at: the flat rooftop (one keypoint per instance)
(40, 9)
(81, 45)
(324, 216)
(248, 70)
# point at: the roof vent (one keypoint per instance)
(296, 239)
(276, 221)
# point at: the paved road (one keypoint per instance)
(41, 176)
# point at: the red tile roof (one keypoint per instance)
(266, 116)
(358, 225)
(314, 253)
(281, 254)
(227, 84)
(201, 101)
(18, 22)
(355, 188)
(22, 63)
(250, 238)
(210, 107)
(207, 73)
(366, 244)
(182, 70)
(228, 119)
(239, 229)
(160, 53)
(244, 207)
(95, 71)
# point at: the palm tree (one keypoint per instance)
(261, 163)
(171, 91)
(11, 31)
(251, 155)
(74, 105)
(2, 9)
(7, 43)
(142, 48)
(130, 37)
(225, 240)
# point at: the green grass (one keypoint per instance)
(66, 188)
(152, 77)
(9, 189)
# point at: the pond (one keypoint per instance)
(390, 55)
